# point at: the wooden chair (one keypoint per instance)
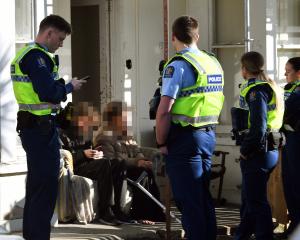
(218, 171)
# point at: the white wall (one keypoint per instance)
(12, 175)
(200, 9)
(7, 101)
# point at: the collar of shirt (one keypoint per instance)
(42, 46)
(189, 49)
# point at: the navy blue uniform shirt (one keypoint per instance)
(257, 99)
(38, 66)
(292, 108)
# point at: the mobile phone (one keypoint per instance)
(86, 77)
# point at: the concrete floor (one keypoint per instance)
(227, 219)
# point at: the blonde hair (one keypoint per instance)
(253, 62)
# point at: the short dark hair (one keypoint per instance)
(185, 29)
(295, 62)
(57, 22)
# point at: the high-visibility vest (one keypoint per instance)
(26, 97)
(274, 114)
(200, 104)
(293, 86)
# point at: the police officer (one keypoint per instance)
(39, 91)
(190, 105)
(263, 98)
(290, 158)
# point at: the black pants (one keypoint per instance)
(111, 180)
(42, 149)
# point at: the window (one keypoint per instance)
(24, 21)
(288, 35)
(49, 7)
(28, 15)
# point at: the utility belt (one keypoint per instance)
(240, 129)
(205, 128)
(271, 141)
(274, 140)
(27, 120)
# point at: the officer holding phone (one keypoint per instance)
(39, 91)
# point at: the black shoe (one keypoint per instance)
(125, 219)
(109, 222)
(108, 218)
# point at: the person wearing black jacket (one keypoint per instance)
(290, 158)
(110, 174)
(258, 155)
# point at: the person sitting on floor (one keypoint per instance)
(89, 162)
(116, 141)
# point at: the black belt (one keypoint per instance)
(206, 128)
(29, 120)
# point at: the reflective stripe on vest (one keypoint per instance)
(288, 92)
(193, 120)
(194, 62)
(35, 107)
(200, 104)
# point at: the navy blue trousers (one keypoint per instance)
(256, 216)
(291, 177)
(42, 150)
(188, 165)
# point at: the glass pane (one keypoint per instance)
(24, 20)
(127, 98)
(289, 22)
(288, 43)
(127, 83)
(49, 10)
(49, 2)
(283, 56)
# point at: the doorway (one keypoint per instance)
(86, 52)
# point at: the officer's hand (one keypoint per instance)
(164, 150)
(77, 83)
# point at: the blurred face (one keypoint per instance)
(116, 123)
(86, 125)
(291, 74)
(55, 39)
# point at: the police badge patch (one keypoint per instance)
(169, 72)
(214, 79)
(252, 96)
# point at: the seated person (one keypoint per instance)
(116, 141)
(89, 162)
